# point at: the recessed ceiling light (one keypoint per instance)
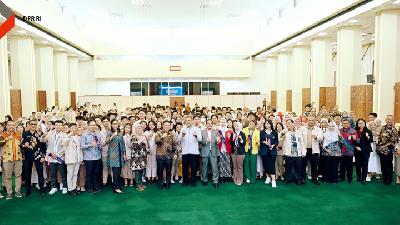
(300, 43)
(353, 21)
(322, 34)
(45, 42)
(22, 31)
(364, 34)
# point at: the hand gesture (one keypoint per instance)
(93, 144)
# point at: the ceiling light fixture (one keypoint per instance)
(364, 34)
(322, 34)
(44, 42)
(353, 21)
(300, 43)
(22, 31)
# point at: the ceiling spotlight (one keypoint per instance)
(322, 34)
(353, 21)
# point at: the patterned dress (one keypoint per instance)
(116, 151)
(139, 154)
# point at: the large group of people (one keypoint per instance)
(85, 149)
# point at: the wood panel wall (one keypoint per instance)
(16, 103)
(305, 97)
(327, 96)
(361, 100)
(288, 100)
(397, 102)
(56, 99)
(41, 100)
(73, 99)
(176, 101)
(273, 99)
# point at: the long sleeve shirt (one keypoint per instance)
(91, 152)
(190, 144)
(387, 140)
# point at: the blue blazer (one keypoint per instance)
(264, 149)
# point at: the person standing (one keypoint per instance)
(331, 152)
(165, 151)
(225, 148)
(363, 150)
(73, 158)
(106, 131)
(238, 143)
(91, 148)
(12, 159)
(268, 151)
(126, 171)
(115, 155)
(210, 153)
(387, 141)
(348, 141)
(140, 151)
(151, 166)
(55, 156)
(293, 149)
(33, 154)
(252, 146)
(191, 136)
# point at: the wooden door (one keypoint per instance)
(273, 99)
(327, 96)
(305, 97)
(73, 99)
(41, 100)
(289, 101)
(56, 99)
(176, 101)
(361, 100)
(397, 102)
(16, 103)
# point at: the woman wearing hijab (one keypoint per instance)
(238, 143)
(225, 170)
(374, 163)
(331, 152)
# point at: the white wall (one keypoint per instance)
(87, 83)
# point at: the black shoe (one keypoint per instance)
(185, 184)
(315, 182)
(215, 185)
(27, 193)
(349, 181)
(302, 182)
(72, 193)
(96, 189)
(363, 182)
(341, 179)
(42, 193)
(161, 185)
(76, 192)
(194, 183)
(358, 179)
(204, 183)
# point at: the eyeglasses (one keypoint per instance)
(33, 123)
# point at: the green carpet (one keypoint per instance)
(250, 204)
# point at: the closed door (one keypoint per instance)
(176, 101)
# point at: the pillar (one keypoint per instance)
(73, 71)
(301, 75)
(284, 81)
(45, 72)
(349, 45)
(387, 57)
(62, 78)
(321, 67)
(271, 73)
(5, 107)
(23, 72)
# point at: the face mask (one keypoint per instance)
(203, 119)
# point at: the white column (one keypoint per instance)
(284, 79)
(301, 75)
(271, 73)
(61, 78)
(23, 72)
(45, 72)
(5, 107)
(387, 58)
(349, 45)
(321, 67)
(73, 71)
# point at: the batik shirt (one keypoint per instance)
(387, 139)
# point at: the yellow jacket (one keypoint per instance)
(11, 150)
(255, 140)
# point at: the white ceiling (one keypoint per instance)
(171, 13)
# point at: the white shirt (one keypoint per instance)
(209, 136)
(190, 144)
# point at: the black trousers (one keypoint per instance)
(313, 158)
(387, 167)
(53, 172)
(161, 164)
(92, 173)
(330, 171)
(116, 173)
(362, 158)
(28, 163)
(293, 169)
(192, 161)
(346, 167)
(268, 162)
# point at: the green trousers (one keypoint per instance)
(250, 167)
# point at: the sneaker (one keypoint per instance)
(9, 197)
(267, 180)
(309, 177)
(1, 196)
(368, 178)
(83, 189)
(52, 191)
(37, 186)
(143, 179)
(172, 181)
(64, 191)
(61, 186)
(273, 184)
(18, 195)
(248, 181)
(181, 181)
